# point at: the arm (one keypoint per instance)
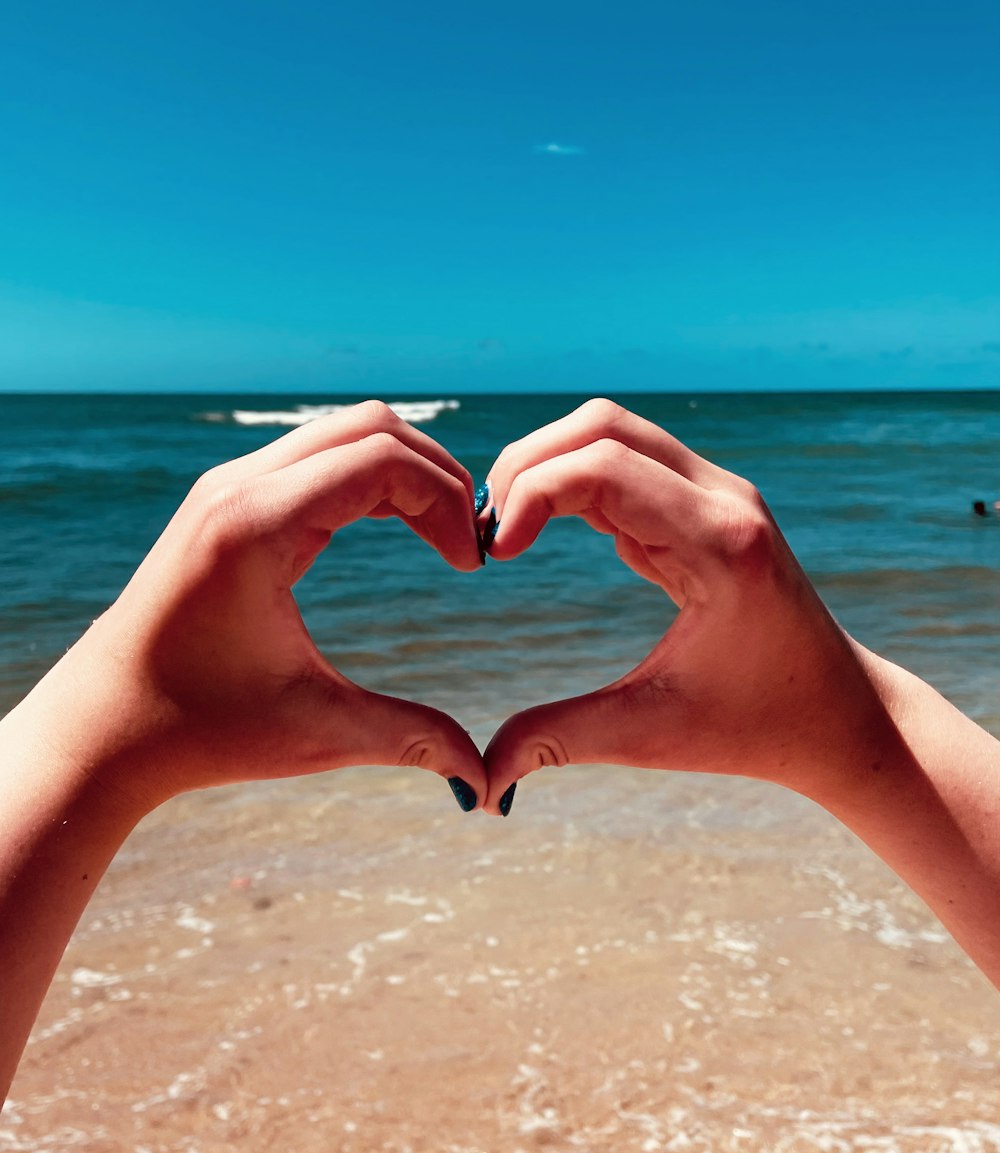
(754, 677)
(203, 673)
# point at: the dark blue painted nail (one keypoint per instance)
(482, 498)
(465, 794)
(507, 800)
(490, 531)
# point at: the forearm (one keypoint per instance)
(924, 794)
(60, 826)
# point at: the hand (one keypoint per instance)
(203, 671)
(754, 677)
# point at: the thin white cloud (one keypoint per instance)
(554, 149)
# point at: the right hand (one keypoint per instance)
(754, 677)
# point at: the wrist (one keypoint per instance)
(859, 756)
(80, 739)
(61, 822)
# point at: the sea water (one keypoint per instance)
(873, 491)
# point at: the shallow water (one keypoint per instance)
(350, 963)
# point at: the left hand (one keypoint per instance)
(203, 671)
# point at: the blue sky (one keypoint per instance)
(399, 197)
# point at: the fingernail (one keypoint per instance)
(465, 794)
(491, 529)
(507, 800)
(482, 498)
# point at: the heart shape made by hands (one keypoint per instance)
(739, 683)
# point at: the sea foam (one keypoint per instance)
(412, 411)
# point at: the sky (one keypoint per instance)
(386, 197)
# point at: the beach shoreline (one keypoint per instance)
(344, 963)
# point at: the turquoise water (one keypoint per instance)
(873, 491)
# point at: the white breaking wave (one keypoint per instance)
(412, 411)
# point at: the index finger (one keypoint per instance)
(352, 424)
(307, 501)
(685, 533)
(594, 421)
(628, 490)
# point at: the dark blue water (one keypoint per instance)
(873, 491)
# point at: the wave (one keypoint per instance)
(959, 582)
(412, 411)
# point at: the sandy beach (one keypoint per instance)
(344, 963)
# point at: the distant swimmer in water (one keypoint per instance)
(979, 507)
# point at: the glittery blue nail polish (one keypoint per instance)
(482, 498)
(507, 800)
(465, 794)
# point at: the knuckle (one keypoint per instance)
(608, 454)
(527, 490)
(450, 490)
(376, 414)
(226, 511)
(417, 754)
(456, 488)
(383, 443)
(509, 462)
(523, 489)
(746, 490)
(210, 481)
(528, 744)
(502, 463)
(549, 752)
(464, 479)
(746, 531)
(601, 411)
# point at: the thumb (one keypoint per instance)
(366, 728)
(622, 724)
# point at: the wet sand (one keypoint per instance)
(630, 962)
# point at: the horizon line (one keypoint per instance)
(856, 390)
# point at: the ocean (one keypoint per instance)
(631, 961)
(874, 492)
